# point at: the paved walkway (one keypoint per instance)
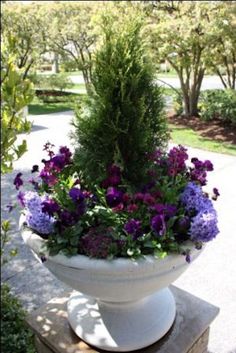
(211, 277)
(209, 82)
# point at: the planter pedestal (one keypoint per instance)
(188, 334)
(122, 327)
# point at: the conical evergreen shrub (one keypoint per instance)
(122, 121)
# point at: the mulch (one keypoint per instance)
(215, 130)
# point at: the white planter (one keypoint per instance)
(122, 304)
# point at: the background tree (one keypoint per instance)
(180, 36)
(72, 33)
(222, 50)
(29, 29)
(122, 120)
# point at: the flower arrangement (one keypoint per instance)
(119, 195)
(114, 219)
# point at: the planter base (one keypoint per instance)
(123, 326)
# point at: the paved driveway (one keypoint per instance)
(212, 276)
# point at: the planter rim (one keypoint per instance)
(38, 245)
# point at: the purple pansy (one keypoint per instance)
(158, 224)
(18, 182)
(50, 207)
(113, 197)
(76, 195)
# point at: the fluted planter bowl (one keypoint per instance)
(121, 304)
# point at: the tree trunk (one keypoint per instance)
(55, 65)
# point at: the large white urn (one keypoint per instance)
(121, 304)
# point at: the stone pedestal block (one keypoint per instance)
(189, 333)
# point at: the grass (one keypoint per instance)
(79, 86)
(37, 108)
(188, 137)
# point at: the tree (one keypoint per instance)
(222, 51)
(26, 24)
(16, 93)
(181, 37)
(122, 120)
(72, 34)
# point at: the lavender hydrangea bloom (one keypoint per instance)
(33, 202)
(204, 226)
(39, 221)
(194, 199)
(35, 218)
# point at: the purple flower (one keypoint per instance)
(67, 218)
(20, 198)
(18, 182)
(114, 170)
(33, 202)
(97, 243)
(35, 168)
(9, 207)
(113, 197)
(133, 226)
(40, 222)
(76, 195)
(158, 225)
(194, 200)
(66, 152)
(148, 199)
(204, 226)
(208, 166)
(183, 225)
(50, 207)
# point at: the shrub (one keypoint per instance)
(15, 335)
(218, 104)
(124, 114)
(55, 81)
(53, 96)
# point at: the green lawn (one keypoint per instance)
(188, 137)
(37, 108)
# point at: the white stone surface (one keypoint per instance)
(125, 304)
(122, 326)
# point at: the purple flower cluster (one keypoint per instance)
(193, 198)
(55, 165)
(114, 177)
(34, 216)
(96, 243)
(204, 226)
(204, 223)
(199, 172)
(177, 157)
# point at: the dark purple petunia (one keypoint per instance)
(9, 207)
(35, 168)
(67, 218)
(113, 197)
(18, 182)
(216, 192)
(114, 170)
(208, 166)
(50, 206)
(20, 198)
(158, 224)
(76, 195)
(132, 226)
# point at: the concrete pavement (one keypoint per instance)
(211, 277)
(209, 82)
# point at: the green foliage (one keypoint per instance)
(55, 81)
(221, 57)
(16, 93)
(15, 336)
(122, 120)
(72, 33)
(27, 25)
(218, 104)
(180, 36)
